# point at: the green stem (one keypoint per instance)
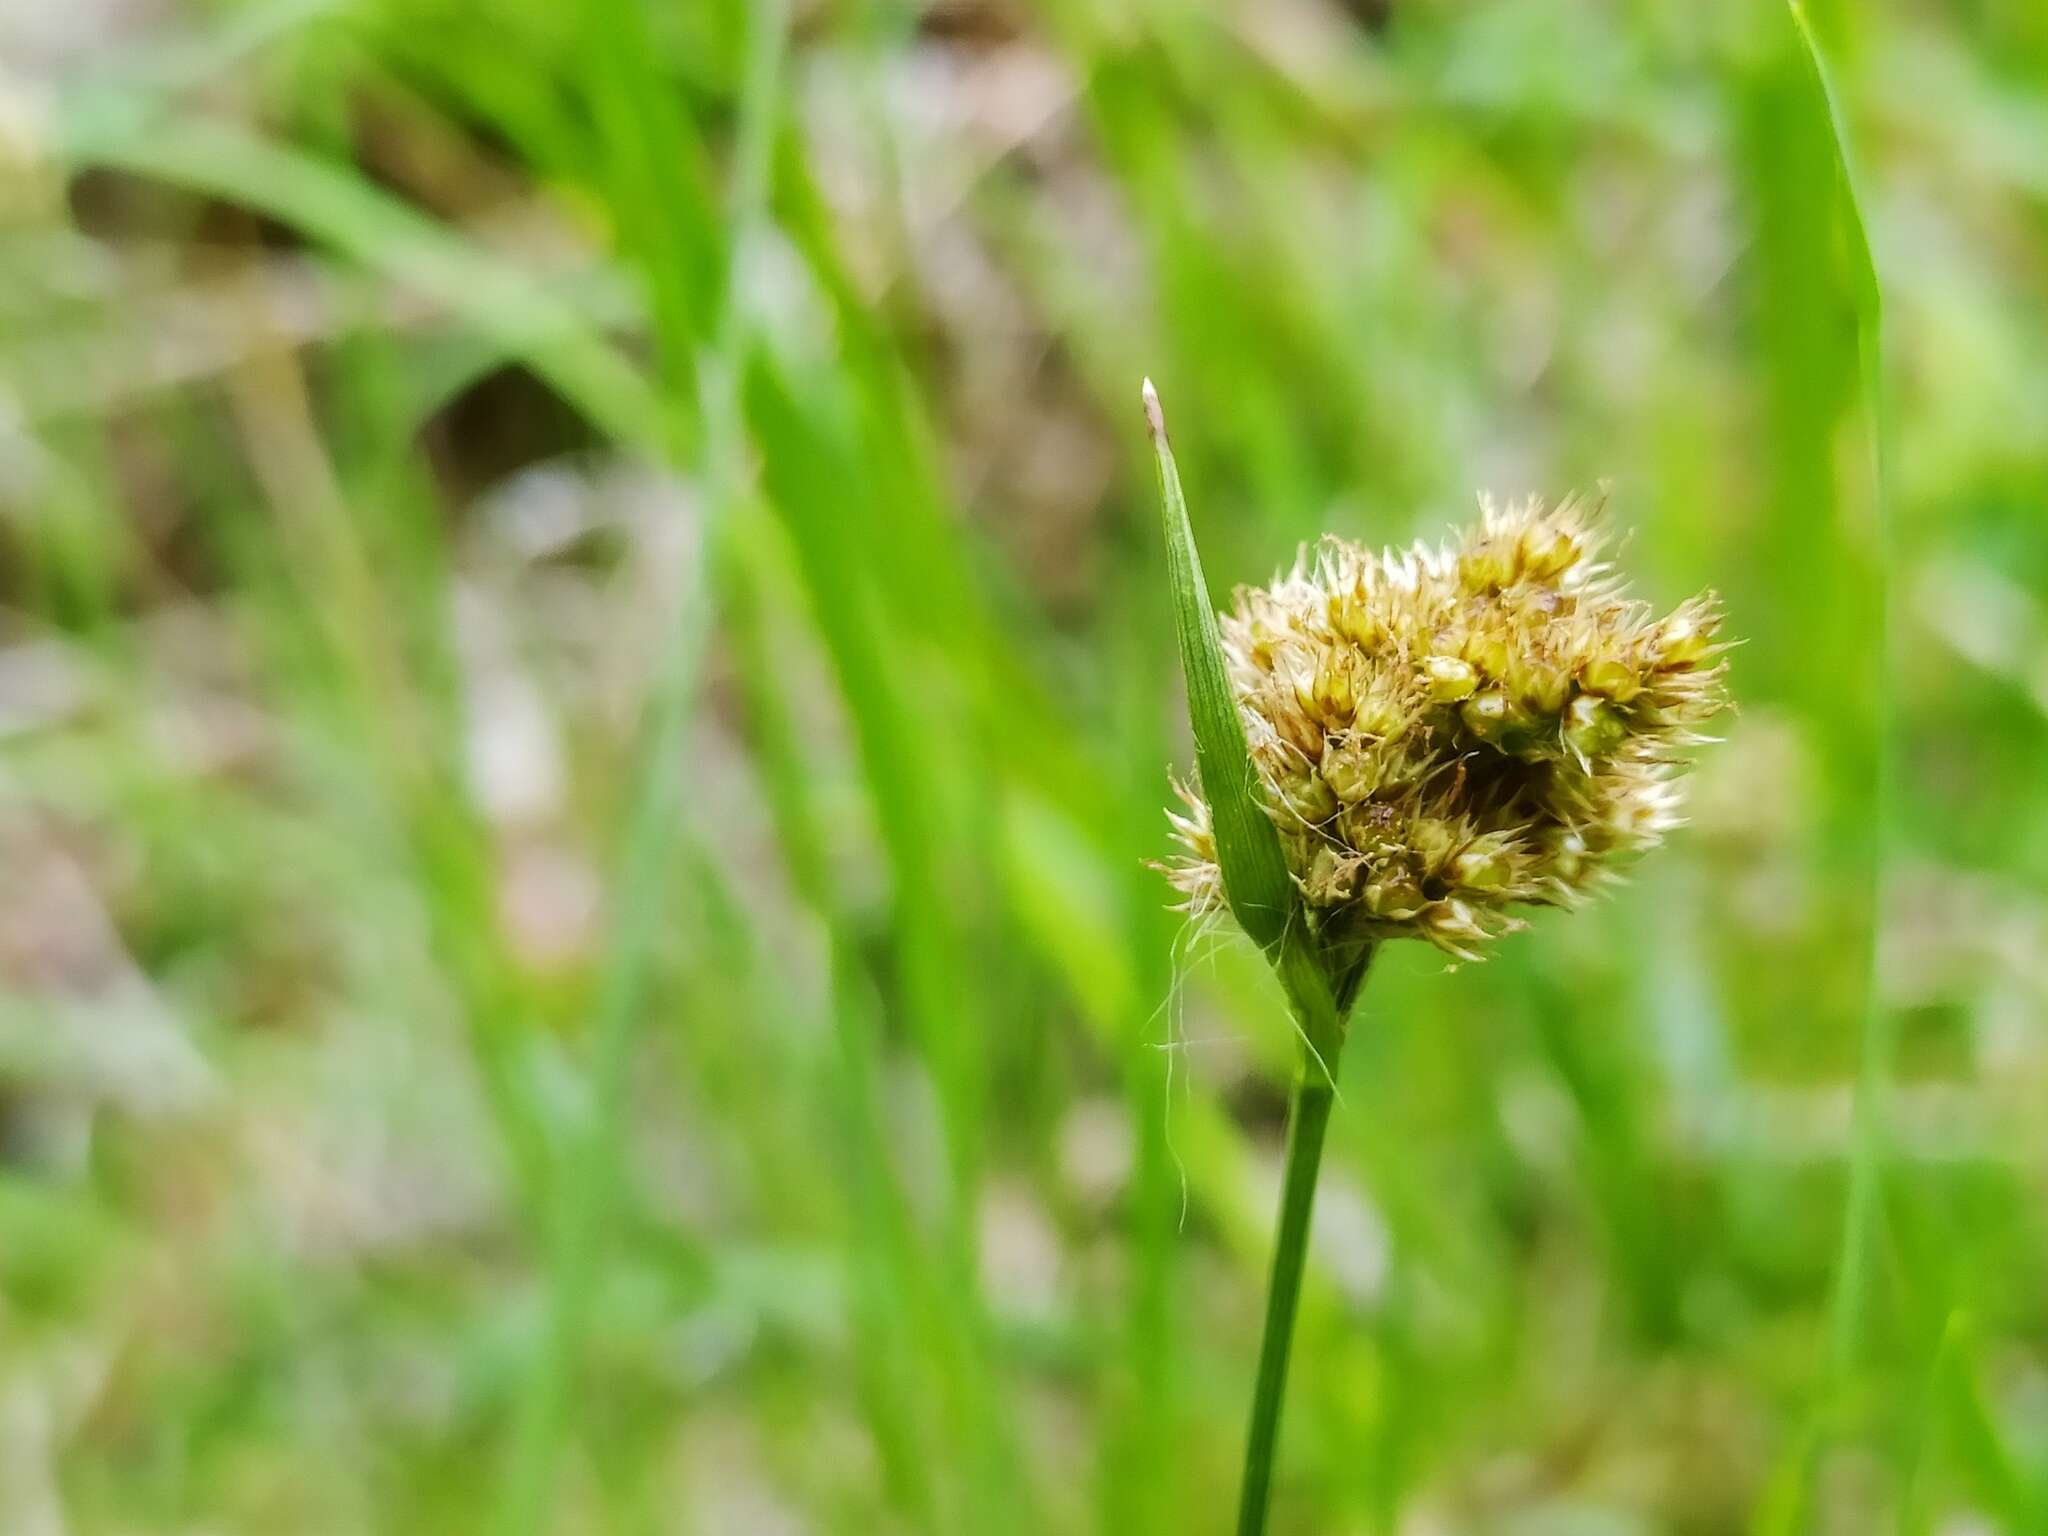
(1308, 1118)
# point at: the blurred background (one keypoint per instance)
(585, 690)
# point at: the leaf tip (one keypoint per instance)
(1155, 418)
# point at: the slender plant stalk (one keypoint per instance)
(1263, 898)
(1308, 1118)
(1321, 1006)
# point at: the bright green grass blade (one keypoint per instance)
(1866, 293)
(1247, 847)
(656, 182)
(1788, 1508)
(1859, 1238)
(887, 1279)
(812, 473)
(1958, 1429)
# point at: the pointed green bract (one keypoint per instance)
(1255, 879)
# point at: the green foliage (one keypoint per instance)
(585, 675)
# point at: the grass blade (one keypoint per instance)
(1853, 271)
(1851, 1300)
(1958, 1419)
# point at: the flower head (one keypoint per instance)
(1446, 733)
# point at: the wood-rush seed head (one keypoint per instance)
(1445, 734)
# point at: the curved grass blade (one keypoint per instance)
(1850, 1305)
(1958, 1429)
(1851, 1301)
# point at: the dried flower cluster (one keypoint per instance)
(1445, 733)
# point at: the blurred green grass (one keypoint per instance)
(585, 689)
